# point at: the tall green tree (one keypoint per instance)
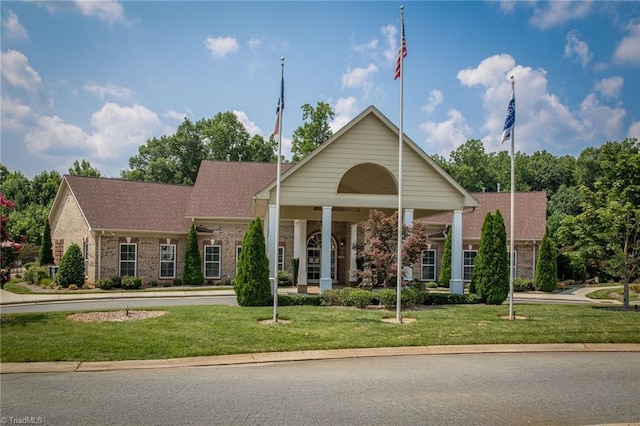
(251, 285)
(44, 187)
(607, 232)
(176, 158)
(46, 249)
(444, 277)
(491, 265)
(192, 274)
(84, 168)
(546, 266)
(313, 131)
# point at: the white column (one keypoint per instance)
(272, 252)
(353, 266)
(325, 257)
(300, 248)
(408, 221)
(456, 285)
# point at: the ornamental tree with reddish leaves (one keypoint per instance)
(9, 249)
(380, 249)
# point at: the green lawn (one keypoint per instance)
(613, 293)
(216, 330)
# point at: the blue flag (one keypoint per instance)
(510, 121)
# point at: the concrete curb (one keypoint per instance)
(271, 357)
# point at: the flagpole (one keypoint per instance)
(279, 167)
(400, 218)
(512, 212)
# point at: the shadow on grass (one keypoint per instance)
(635, 308)
(22, 320)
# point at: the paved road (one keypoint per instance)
(116, 303)
(482, 389)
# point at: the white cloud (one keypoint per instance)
(391, 43)
(13, 30)
(345, 109)
(17, 72)
(14, 113)
(110, 11)
(444, 137)
(600, 119)
(634, 130)
(118, 130)
(629, 48)
(254, 43)
(369, 46)
(221, 46)
(490, 72)
(360, 78)
(577, 48)
(108, 90)
(434, 99)
(53, 136)
(610, 87)
(553, 13)
(249, 125)
(180, 116)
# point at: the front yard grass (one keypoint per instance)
(188, 331)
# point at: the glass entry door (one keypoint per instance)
(314, 253)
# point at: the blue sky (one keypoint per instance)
(95, 80)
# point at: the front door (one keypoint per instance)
(314, 251)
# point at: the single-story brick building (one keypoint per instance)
(140, 228)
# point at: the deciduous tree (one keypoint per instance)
(314, 131)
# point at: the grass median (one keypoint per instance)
(188, 331)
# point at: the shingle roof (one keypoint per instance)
(129, 205)
(530, 214)
(225, 189)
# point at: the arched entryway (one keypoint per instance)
(314, 250)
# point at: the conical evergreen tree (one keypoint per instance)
(192, 274)
(46, 250)
(491, 265)
(547, 266)
(71, 270)
(252, 286)
(445, 265)
(498, 290)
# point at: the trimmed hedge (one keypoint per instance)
(388, 297)
(299, 300)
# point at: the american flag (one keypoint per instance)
(402, 53)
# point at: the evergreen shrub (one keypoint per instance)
(71, 269)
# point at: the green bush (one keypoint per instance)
(445, 265)
(153, 284)
(491, 266)
(46, 283)
(332, 297)
(35, 274)
(71, 269)
(432, 285)
(357, 297)
(131, 283)
(300, 300)
(285, 279)
(117, 281)
(46, 251)
(388, 298)
(29, 265)
(177, 281)
(522, 284)
(105, 284)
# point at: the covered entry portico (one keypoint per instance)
(327, 194)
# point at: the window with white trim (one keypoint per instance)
(128, 259)
(212, 261)
(468, 257)
(238, 251)
(428, 265)
(167, 260)
(85, 255)
(281, 258)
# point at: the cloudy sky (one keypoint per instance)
(95, 80)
